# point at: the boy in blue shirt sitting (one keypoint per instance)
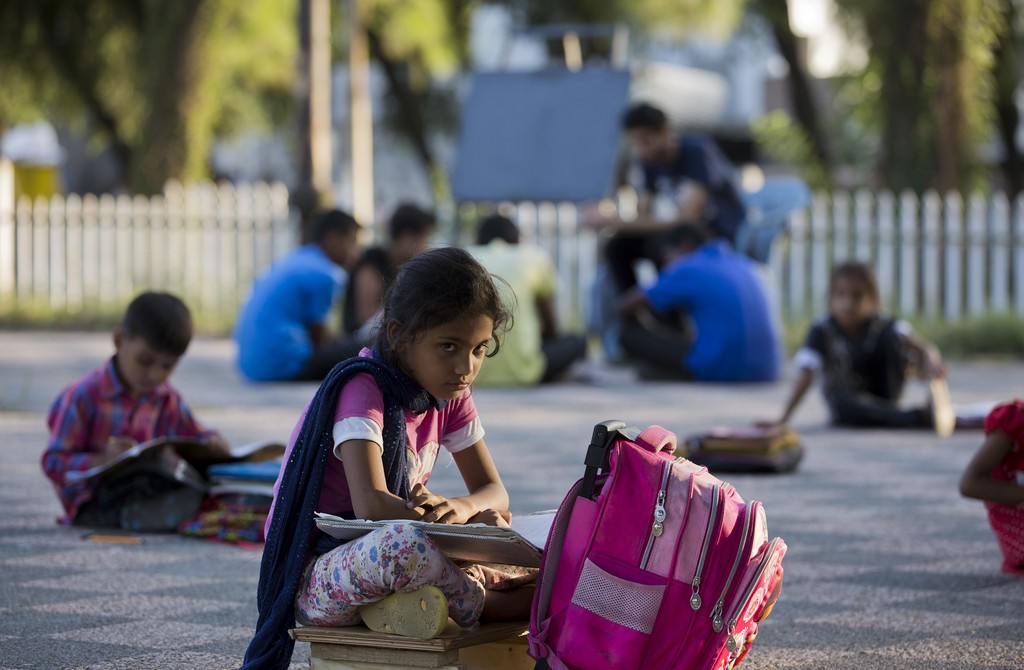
(728, 334)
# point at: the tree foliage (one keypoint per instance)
(932, 61)
(157, 80)
(152, 79)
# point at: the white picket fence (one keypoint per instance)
(205, 242)
(936, 257)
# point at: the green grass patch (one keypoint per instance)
(992, 335)
(40, 315)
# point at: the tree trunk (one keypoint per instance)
(69, 56)
(411, 119)
(313, 104)
(172, 144)
(946, 39)
(1006, 75)
(899, 45)
(804, 106)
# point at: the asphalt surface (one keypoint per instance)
(888, 566)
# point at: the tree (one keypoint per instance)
(155, 80)
(776, 14)
(418, 43)
(1006, 75)
(933, 61)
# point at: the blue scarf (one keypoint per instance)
(290, 539)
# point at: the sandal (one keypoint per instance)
(422, 613)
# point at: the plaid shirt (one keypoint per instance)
(97, 407)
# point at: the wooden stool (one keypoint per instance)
(495, 646)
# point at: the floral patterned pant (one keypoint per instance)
(397, 558)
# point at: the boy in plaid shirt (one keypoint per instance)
(125, 401)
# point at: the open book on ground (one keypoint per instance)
(520, 545)
(190, 450)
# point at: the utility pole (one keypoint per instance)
(361, 117)
(315, 127)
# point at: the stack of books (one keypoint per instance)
(747, 449)
(244, 478)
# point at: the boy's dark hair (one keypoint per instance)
(857, 271)
(686, 235)
(410, 219)
(161, 319)
(332, 221)
(497, 227)
(437, 287)
(643, 116)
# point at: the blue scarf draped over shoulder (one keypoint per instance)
(291, 537)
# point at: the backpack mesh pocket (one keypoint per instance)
(624, 603)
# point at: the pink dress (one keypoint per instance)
(1008, 520)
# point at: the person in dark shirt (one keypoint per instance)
(409, 231)
(687, 179)
(865, 358)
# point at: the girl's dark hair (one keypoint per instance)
(857, 271)
(161, 319)
(436, 287)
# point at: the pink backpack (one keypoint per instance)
(667, 567)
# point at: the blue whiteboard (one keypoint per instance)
(542, 135)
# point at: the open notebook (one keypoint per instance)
(520, 545)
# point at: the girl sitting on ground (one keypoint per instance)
(865, 358)
(364, 448)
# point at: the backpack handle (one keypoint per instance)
(655, 439)
(598, 452)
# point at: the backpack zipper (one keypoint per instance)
(658, 527)
(717, 622)
(731, 643)
(695, 600)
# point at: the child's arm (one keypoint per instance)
(631, 302)
(367, 484)
(803, 382)
(68, 448)
(977, 481)
(181, 422)
(928, 355)
(486, 492)
(216, 443)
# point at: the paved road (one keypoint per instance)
(888, 567)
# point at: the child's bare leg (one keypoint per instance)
(513, 605)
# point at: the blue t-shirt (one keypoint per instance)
(736, 339)
(272, 330)
(699, 159)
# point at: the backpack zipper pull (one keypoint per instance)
(658, 525)
(731, 643)
(717, 622)
(695, 601)
(659, 515)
